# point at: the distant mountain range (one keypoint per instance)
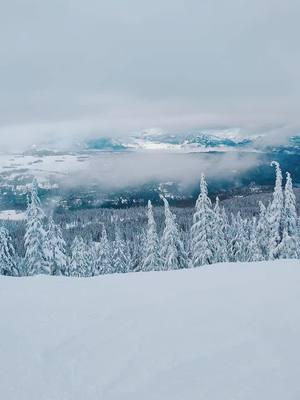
(194, 142)
(191, 142)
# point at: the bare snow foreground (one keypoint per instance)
(225, 332)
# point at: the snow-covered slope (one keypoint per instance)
(229, 331)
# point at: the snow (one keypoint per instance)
(12, 215)
(150, 145)
(39, 166)
(224, 332)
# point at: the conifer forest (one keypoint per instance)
(133, 240)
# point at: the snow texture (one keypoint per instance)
(12, 215)
(223, 332)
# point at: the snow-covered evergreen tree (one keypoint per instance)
(103, 255)
(219, 245)
(129, 256)
(172, 251)
(139, 247)
(79, 260)
(8, 264)
(237, 239)
(90, 255)
(253, 250)
(202, 235)
(227, 230)
(119, 258)
(56, 249)
(263, 232)
(152, 259)
(35, 236)
(289, 244)
(275, 215)
(247, 229)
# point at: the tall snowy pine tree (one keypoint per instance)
(152, 259)
(35, 236)
(119, 258)
(275, 215)
(289, 245)
(103, 255)
(263, 232)
(56, 249)
(219, 245)
(172, 251)
(253, 249)
(202, 235)
(79, 260)
(8, 265)
(238, 239)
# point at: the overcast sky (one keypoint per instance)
(95, 67)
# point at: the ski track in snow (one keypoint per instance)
(224, 332)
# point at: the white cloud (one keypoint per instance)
(129, 169)
(71, 69)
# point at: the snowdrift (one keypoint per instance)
(224, 332)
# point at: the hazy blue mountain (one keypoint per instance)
(107, 144)
(196, 141)
(168, 141)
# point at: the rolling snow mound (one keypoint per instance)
(224, 332)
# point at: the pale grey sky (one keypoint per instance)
(94, 67)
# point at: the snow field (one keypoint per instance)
(224, 332)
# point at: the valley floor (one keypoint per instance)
(224, 332)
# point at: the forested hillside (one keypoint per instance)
(128, 240)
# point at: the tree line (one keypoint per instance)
(213, 237)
